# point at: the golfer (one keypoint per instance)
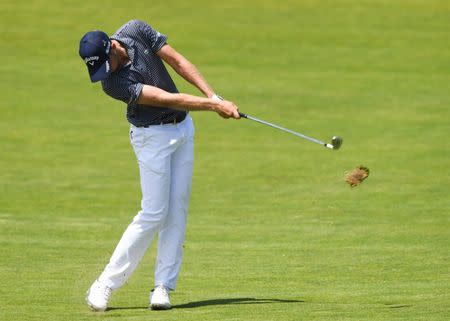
(130, 66)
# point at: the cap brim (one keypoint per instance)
(101, 73)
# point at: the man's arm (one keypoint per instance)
(185, 69)
(155, 96)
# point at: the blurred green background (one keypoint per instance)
(274, 233)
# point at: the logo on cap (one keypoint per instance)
(91, 60)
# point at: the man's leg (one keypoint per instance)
(153, 154)
(171, 235)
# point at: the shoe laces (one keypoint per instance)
(163, 289)
(106, 292)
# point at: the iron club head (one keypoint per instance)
(336, 142)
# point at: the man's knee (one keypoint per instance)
(149, 218)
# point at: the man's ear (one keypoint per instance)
(113, 45)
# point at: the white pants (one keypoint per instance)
(165, 155)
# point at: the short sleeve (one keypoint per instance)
(154, 38)
(123, 90)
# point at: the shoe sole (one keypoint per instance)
(95, 309)
(160, 307)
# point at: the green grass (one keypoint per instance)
(274, 233)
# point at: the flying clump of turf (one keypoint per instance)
(357, 176)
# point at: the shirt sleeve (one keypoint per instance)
(123, 90)
(155, 39)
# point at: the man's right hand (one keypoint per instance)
(227, 109)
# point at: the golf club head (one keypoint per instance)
(336, 141)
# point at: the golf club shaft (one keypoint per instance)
(284, 129)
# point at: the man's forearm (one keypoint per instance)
(185, 69)
(190, 73)
(154, 96)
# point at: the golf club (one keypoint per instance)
(336, 141)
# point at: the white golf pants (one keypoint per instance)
(165, 155)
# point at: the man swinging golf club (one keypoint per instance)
(130, 66)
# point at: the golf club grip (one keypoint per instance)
(243, 115)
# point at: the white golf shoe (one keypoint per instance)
(159, 298)
(98, 296)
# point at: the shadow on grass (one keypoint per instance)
(198, 304)
(127, 308)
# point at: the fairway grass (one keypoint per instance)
(274, 233)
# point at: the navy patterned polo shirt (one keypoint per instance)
(146, 68)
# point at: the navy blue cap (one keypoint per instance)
(94, 50)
